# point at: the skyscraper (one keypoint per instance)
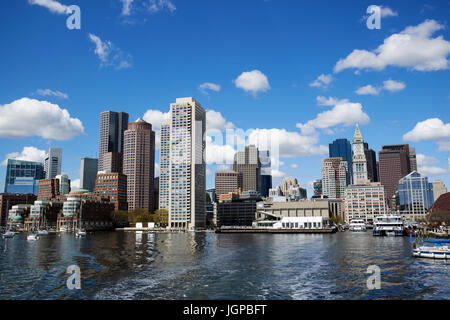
(52, 162)
(342, 148)
(164, 166)
(335, 177)
(247, 162)
(139, 164)
(359, 158)
(394, 164)
(415, 195)
(88, 173)
(266, 172)
(439, 189)
(22, 177)
(413, 159)
(64, 184)
(112, 128)
(226, 182)
(187, 168)
(114, 186)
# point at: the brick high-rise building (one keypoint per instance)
(112, 162)
(48, 189)
(394, 164)
(114, 186)
(139, 164)
(227, 181)
(247, 162)
(112, 128)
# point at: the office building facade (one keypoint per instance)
(335, 177)
(364, 201)
(439, 189)
(247, 162)
(228, 181)
(341, 148)
(164, 166)
(48, 189)
(112, 129)
(415, 196)
(64, 184)
(53, 163)
(22, 177)
(139, 164)
(88, 173)
(113, 185)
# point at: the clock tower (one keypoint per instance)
(359, 158)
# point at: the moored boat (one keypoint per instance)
(389, 225)
(434, 249)
(357, 225)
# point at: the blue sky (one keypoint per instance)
(263, 61)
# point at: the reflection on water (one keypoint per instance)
(140, 265)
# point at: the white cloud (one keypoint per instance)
(432, 171)
(423, 160)
(294, 166)
(157, 170)
(27, 154)
(126, 9)
(218, 153)
(343, 113)
(156, 118)
(253, 81)
(393, 86)
(331, 101)
(430, 129)
(48, 92)
(412, 48)
(322, 81)
(29, 117)
(52, 5)
(208, 86)
(75, 184)
(277, 173)
(367, 90)
(387, 12)
(110, 55)
(157, 5)
(215, 121)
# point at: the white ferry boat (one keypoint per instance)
(435, 249)
(389, 225)
(357, 225)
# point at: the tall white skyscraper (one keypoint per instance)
(183, 143)
(52, 162)
(359, 158)
(335, 177)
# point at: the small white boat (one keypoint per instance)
(8, 235)
(63, 229)
(436, 249)
(42, 232)
(33, 237)
(80, 234)
(357, 225)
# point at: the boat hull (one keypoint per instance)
(430, 254)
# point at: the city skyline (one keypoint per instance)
(301, 90)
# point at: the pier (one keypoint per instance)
(269, 230)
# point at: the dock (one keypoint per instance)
(267, 230)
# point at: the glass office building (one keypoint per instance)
(415, 195)
(22, 177)
(341, 148)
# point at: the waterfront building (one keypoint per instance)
(210, 200)
(112, 185)
(341, 148)
(286, 184)
(8, 200)
(247, 162)
(186, 167)
(364, 160)
(236, 210)
(48, 189)
(394, 164)
(164, 165)
(313, 208)
(112, 162)
(64, 184)
(139, 164)
(22, 176)
(53, 162)
(335, 177)
(112, 129)
(266, 172)
(88, 173)
(364, 201)
(43, 214)
(228, 181)
(18, 213)
(439, 189)
(415, 196)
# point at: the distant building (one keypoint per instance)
(413, 159)
(440, 210)
(335, 177)
(8, 200)
(247, 162)
(317, 187)
(156, 194)
(266, 172)
(364, 201)
(112, 129)
(341, 148)
(164, 166)
(394, 164)
(22, 176)
(287, 183)
(296, 193)
(64, 184)
(228, 181)
(415, 196)
(236, 211)
(113, 185)
(88, 173)
(53, 162)
(439, 189)
(312, 208)
(364, 160)
(139, 164)
(48, 189)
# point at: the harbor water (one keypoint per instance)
(140, 265)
